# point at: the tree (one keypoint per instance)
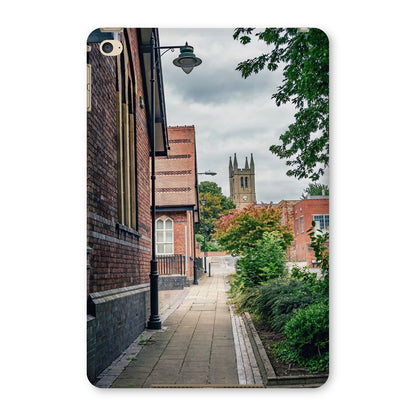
(216, 205)
(304, 57)
(242, 229)
(315, 189)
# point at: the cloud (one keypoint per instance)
(230, 114)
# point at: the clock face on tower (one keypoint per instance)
(245, 197)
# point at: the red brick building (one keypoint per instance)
(287, 219)
(118, 191)
(314, 208)
(177, 200)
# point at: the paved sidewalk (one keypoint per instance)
(196, 346)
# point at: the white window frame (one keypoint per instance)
(164, 232)
(318, 223)
(297, 225)
(302, 226)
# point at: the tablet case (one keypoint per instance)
(183, 328)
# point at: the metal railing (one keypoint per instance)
(169, 265)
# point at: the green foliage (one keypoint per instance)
(304, 58)
(274, 302)
(278, 302)
(307, 337)
(241, 230)
(320, 245)
(216, 205)
(209, 245)
(311, 282)
(296, 306)
(266, 260)
(315, 189)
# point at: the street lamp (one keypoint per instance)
(187, 61)
(203, 202)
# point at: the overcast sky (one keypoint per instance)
(231, 114)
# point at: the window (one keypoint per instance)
(282, 222)
(297, 226)
(321, 221)
(164, 235)
(242, 182)
(126, 140)
(301, 225)
(246, 181)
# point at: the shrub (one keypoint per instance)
(278, 301)
(311, 282)
(307, 337)
(274, 302)
(266, 260)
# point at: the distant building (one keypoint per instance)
(242, 183)
(314, 208)
(177, 208)
(287, 219)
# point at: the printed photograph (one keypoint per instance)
(207, 208)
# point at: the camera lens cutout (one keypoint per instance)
(111, 47)
(107, 47)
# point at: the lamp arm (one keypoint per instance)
(168, 48)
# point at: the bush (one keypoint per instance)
(266, 260)
(274, 302)
(277, 302)
(307, 337)
(319, 286)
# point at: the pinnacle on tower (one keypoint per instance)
(252, 162)
(235, 162)
(246, 166)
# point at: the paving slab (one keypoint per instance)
(182, 352)
(201, 344)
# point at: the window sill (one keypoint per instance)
(128, 230)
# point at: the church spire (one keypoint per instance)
(235, 162)
(246, 166)
(252, 162)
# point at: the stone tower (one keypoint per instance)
(242, 183)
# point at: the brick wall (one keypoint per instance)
(307, 208)
(176, 188)
(183, 236)
(119, 256)
(175, 175)
(287, 211)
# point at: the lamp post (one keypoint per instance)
(203, 202)
(187, 61)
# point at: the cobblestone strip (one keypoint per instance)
(248, 371)
(240, 365)
(252, 362)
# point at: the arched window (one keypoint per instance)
(164, 235)
(242, 182)
(246, 182)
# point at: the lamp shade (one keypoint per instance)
(187, 59)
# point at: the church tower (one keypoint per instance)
(242, 183)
